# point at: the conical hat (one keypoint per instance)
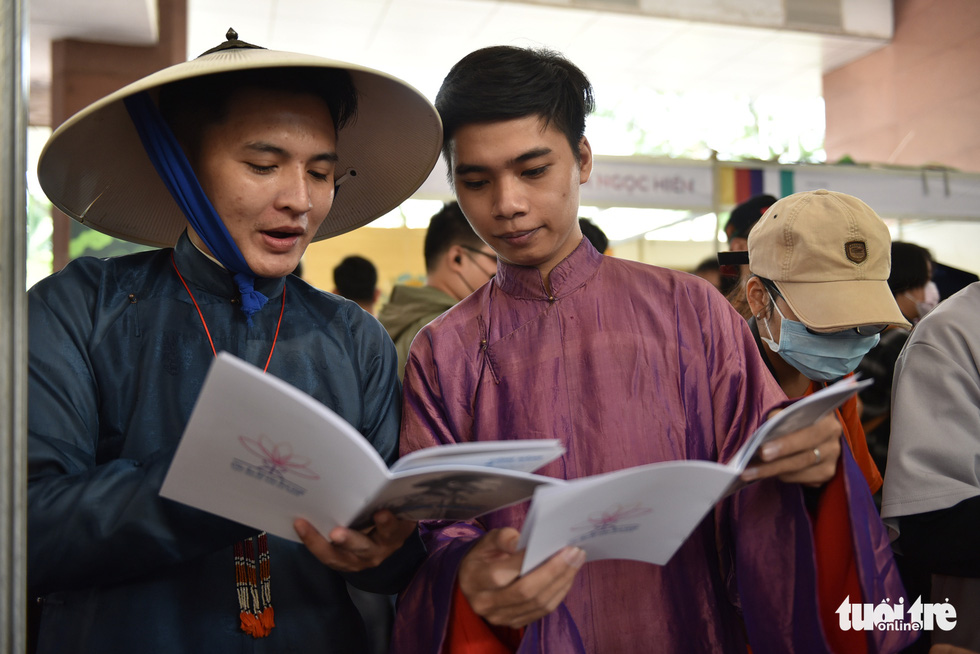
(94, 167)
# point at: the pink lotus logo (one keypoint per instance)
(278, 458)
(614, 520)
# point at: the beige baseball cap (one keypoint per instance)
(94, 167)
(829, 255)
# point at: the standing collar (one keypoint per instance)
(203, 272)
(573, 271)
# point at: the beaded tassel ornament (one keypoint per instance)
(253, 580)
(254, 599)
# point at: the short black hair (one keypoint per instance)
(356, 279)
(192, 105)
(448, 227)
(596, 236)
(746, 215)
(911, 267)
(506, 82)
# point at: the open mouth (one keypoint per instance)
(281, 239)
(280, 235)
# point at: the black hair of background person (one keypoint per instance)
(356, 278)
(950, 280)
(911, 267)
(447, 227)
(595, 235)
(744, 216)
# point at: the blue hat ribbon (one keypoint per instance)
(175, 170)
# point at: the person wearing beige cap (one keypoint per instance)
(819, 294)
(231, 163)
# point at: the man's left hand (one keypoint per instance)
(808, 456)
(348, 550)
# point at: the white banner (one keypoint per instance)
(686, 184)
(627, 182)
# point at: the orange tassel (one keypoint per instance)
(258, 626)
(268, 620)
(250, 624)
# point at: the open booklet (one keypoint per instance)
(647, 512)
(261, 452)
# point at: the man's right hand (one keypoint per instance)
(489, 577)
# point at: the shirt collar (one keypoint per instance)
(573, 271)
(203, 272)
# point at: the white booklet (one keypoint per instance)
(263, 453)
(647, 512)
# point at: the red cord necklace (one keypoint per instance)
(254, 599)
(208, 331)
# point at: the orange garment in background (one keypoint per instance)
(850, 420)
(468, 633)
(837, 577)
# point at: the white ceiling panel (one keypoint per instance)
(419, 40)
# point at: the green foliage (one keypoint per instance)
(86, 242)
(38, 239)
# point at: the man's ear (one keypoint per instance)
(757, 296)
(585, 160)
(454, 257)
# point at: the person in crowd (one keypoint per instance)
(237, 160)
(457, 263)
(932, 488)
(356, 278)
(626, 364)
(709, 270)
(596, 236)
(910, 282)
(819, 264)
(740, 222)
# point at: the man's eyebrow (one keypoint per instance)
(464, 169)
(269, 148)
(531, 154)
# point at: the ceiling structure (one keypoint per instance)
(742, 49)
(418, 40)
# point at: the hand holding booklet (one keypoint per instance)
(647, 512)
(261, 452)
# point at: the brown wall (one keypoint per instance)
(915, 102)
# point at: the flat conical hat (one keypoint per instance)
(94, 167)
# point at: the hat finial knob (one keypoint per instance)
(232, 43)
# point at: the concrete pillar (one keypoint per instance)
(13, 325)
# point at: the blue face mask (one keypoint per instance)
(820, 357)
